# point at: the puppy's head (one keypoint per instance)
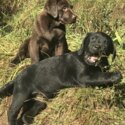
(60, 10)
(96, 46)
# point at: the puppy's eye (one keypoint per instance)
(93, 38)
(105, 41)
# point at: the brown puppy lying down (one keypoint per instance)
(77, 69)
(48, 35)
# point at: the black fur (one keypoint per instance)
(77, 69)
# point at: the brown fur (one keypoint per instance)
(48, 35)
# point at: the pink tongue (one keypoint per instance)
(93, 59)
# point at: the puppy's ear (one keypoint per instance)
(51, 8)
(112, 49)
(84, 44)
(113, 52)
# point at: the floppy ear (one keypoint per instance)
(112, 49)
(51, 8)
(84, 44)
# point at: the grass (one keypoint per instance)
(80, 106)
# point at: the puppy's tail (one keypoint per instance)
(7, 89)
(22, 53)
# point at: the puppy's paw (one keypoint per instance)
(37, 107)
(116, 77)
(12, 65)
(28, 120)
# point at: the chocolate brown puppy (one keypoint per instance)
(48, 35)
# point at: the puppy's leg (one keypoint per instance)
(61, 47)
(21, 54)
(104, 64)
(65, 46)
(44, 49)
(7, 89)
(34, 51)
(32, 108)
(102, 79)
(18, 100)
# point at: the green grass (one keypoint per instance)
(79, 106)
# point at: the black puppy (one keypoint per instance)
(77, 69)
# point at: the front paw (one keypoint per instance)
(116, 77)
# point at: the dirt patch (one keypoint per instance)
(4, 105)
